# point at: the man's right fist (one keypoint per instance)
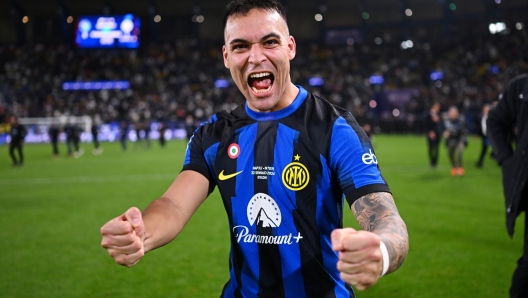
(123, 237)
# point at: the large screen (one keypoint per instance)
(118, 31)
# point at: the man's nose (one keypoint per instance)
(256, 54)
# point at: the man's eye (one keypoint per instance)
(271, 42)
(239, 47)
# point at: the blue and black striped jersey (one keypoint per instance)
(283, 177)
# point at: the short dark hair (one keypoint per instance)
(242, 7)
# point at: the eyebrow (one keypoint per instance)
(241, 40)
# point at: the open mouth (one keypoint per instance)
(261, 82)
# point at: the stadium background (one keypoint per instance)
(357, 56)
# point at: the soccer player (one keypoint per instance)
(483, 132)
(282, 163)
(73, 138)
(455, 134)
(162, 128)
(97, 150)
(433, 127)
(53, 133)
(123, 131)
(17, 133)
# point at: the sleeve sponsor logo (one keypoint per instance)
(369, 158)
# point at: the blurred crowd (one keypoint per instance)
(170, 81)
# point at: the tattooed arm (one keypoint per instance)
(360, 258)
(377, 213)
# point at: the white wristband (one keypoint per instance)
(385, 256)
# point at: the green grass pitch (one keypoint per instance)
(51, 212)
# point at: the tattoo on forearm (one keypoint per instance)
(377, 213)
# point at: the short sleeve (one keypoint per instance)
(195, 159)
(354, 161)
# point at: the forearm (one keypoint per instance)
(165, 217)
(378, 214)
(163, 222)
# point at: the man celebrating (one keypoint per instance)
(282, 163)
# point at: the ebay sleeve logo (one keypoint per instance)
(369, 158)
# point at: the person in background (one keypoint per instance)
(97, 150)
(17, 134)
(433, 128)
(483, 135)
(506, 122)
(455, 134)
(138, 128)
(53, 133)
(146, 129)
(190, 126)
(77, 141)
(162, 129)
(73, 139)
(123, 131)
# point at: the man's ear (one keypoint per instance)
(225, 55)
(292, 47)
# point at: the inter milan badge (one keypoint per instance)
(233, 151)
(295, 175)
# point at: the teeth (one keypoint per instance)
(260, 75)
(261, 90)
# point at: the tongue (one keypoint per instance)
(261, 83)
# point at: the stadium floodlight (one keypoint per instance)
(316, 81)
(96, 85)
(519, 26)
(406, 44)
(436, 75)
(376, 79)
(221, 83)
(318, 17)
(494, 69)
(498, 27)
(197, 18)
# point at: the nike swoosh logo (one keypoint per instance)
(221, 176)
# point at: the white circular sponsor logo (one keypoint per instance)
(233, 150)
(369, 158)
(263, 210)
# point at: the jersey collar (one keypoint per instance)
(270, 116)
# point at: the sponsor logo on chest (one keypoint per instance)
(263, 211)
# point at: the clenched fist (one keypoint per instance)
(123, 237)
(360, 258)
